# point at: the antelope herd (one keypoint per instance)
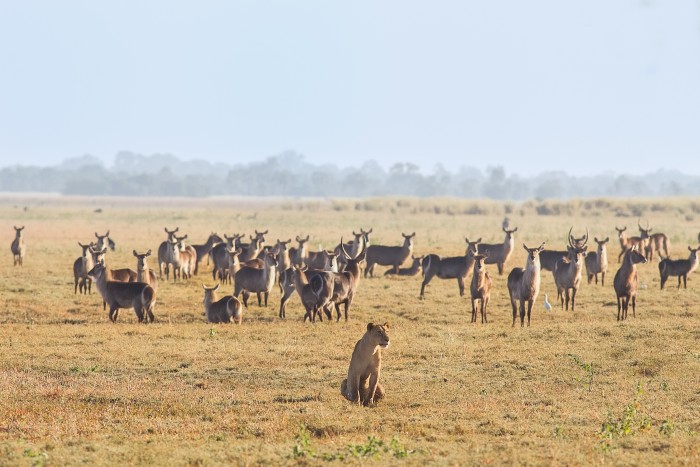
(328, 279)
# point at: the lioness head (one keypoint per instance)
(378, 335)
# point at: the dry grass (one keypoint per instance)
(77, 388)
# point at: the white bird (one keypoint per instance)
(547, 305)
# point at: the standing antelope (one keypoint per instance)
(286, 282)
(360, 241)
(283, 260)
(628, 242)
(81, 266)
(253, 249)
(679, 267)
(456, 267)
(188, 257)
(500, 252)
(345, 283)
(415, 269)
(104, 239)
(597, 261)
(224, 261)
(249, 279)
(226, 310)
(137, 295)
(164, 254)
(524, 284)
(548, 258)
(567, 272)
(653, 242)
(298, 255)
(18, 247)
(389, 255)
(480, 287)
(205, 250)
(626, 281)
(318, 260)
(143, 272)
(315, 292)
(119, 275)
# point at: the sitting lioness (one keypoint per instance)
(362, 384)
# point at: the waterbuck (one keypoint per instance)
(626, 281)
(354, 246)
(628, 242)
(679, 267)
(319, 259)
(205, 250)
(345, 283)
(225, 310)
(104, 239)
(224, 263)
(315, 292)
(597, 261)
(120, 275)
(653, 242)
(456, 267)
(500, 252)
(143, 272)
(283, 260)
(188, 257)
(298, 255)
(260, 281)
(548, 258)
(286, 282)
(137, 295)
(164, 254)
(18, 247)
(388, 255)
(567, 272)
(480, 287)
(81, 266)
(415, 269)
(524, 284)
(253, 249)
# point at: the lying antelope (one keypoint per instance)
(456, 267)
(567, 271)
(679, 267)
(315, 292)
(81, 266)
(388, 255)
(164, 254)
(653, 242)
(143, 272)
(480, 287)
(500, 252)
(205, 250)
(137, 295)
(626, 282)
(597, 261)
(345, 283)
(415, 269)
(524, 284)
(18, 247)
(225, 310)
(260, 281)
(627, 243)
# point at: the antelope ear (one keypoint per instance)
(148, 253)
(689, 249)
(515, 230)
(136, 254)
(525, 248)
(370, 326)
(386, 324)
(607, 239)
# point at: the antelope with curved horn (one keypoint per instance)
(548, 258)
(288, 286)
(679, 267)
(500, 252)
(524, 284)
(456, 267)
(315, 291)
(81, 266)
(18, 247)
(653, 242)
(626, 282)
(480, 287)
(388, 255)
(345, 283)
(143, 272)
(597, 261)
(225, 310)
(567, 271)
(627, 242)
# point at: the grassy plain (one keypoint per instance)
(574, 388)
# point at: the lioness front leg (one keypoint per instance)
(373, 383)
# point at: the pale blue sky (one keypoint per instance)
(531, 85)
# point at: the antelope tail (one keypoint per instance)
(317, 284)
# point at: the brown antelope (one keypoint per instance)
(456, 267)
(286, 282)
(119, 275)
(628, 242)
(225, 310)
(224, 261)
(318, 260)
(137, 295)
(388, 255)
(253, 249)
(653, 242)
(524, 284)
(500, 252)
(480, 287)
(164, 254)
(103, 240)
(143, 272)
(18, 247)
(256, 280)
(679, 267)
(81, 266)
(548, 258)
(354, 246)
(415, 269)
(283, 260)
(315, 292)
(345, 283)
(298, 255)
(626, 281)
(597, 261)
(205, 250)
(567, 271)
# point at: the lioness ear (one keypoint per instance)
(370, 326)
(386, 325)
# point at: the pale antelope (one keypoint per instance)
(225, 310)
(137, 295)
(205, 250)
(256, 280)
(187, 256)
(499, 253)
(567, 271)
(480, 287)
(299, 254)
(143, 272)
(345, 283)
(103, 240)
(18, 247)
(81, 266)
(415, 269)
(315, 292)
(597, 261)
(679, 267)
(389, 255)
(626, 282)
(654, 242)
(628, 242)
(456, 267)
(165, 254)
(524, 284)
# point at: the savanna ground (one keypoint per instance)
(574, 388)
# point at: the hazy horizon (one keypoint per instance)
(583, 88)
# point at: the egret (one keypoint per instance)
(547, 306)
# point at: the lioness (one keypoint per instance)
(362, 384)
